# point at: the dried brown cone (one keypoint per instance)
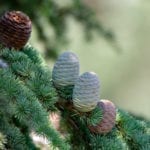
(15, 29)
(108, 120)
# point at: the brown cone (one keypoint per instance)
(108, 120)
(15, 29)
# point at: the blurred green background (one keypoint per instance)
(119, 54)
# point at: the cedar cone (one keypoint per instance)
(66, 70)
(15, 29)
(86, 92)
(108, 120)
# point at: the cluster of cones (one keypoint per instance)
(86, 88)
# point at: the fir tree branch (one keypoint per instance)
(26, 89)
(135, 132)
(29, 68)
(29, 108)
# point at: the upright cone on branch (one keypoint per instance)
(108, 120)
(65, 74)
(15, 29)
(66, 70)
(86, 92)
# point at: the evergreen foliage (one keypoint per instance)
(55, 15)
(25, 100)
(28, 95)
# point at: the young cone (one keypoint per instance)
(66, 70)
(65, 73)
(108, 120)
(86, 92)
(15, 29)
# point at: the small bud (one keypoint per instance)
(86, 92)
(15, 29)
(3, 64)
(108, 120)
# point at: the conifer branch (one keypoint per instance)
(28, 107)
